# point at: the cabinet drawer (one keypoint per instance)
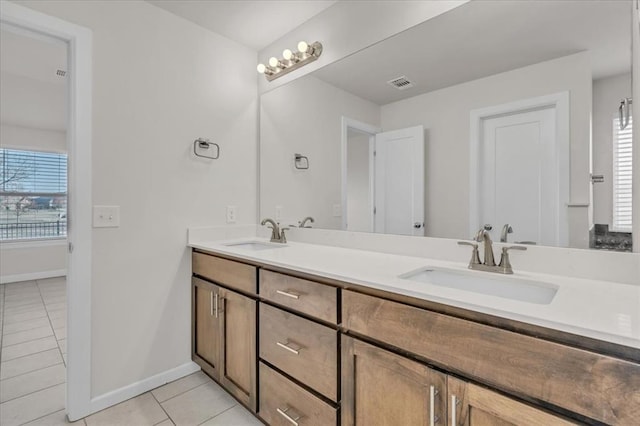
(281, 398)
(311, 298)
(226, 272)
(301, 348)
(594, 385)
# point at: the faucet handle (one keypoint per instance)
(475, 255)
(283, 237)
(505, 263)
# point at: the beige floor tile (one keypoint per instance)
(25, 308)
(32, 406)
(64, 357)
(52, 281)
(236, 416)
(179, 386)
(48, 300)
(34, 381)
(58, 314)
(26, 316)
(21, 289)
(61, 333)
(19, 301)
(59, 322)
(62, 343)
(167, 422)
(140, 411)
(198, 405)
(28, 348)
(59, 418)
(26, 336)
(28, 363)
(56, 306)
(25, 325)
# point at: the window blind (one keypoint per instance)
(33, 194)
(622, 176)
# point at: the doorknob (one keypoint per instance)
(418, 225)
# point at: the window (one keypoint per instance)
(622, 176)
(33, 195)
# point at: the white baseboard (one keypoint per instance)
(4, 279)
(127, 392)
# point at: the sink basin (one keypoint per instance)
(480, 282)
(255, 245)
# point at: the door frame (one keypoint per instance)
(79, 142)
(346, 124)
(560, 103)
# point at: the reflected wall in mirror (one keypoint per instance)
(494, 113)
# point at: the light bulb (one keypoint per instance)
(303, 47)
(273, 61)
(287, 54)
(261, 68)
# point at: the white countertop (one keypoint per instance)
(601, 310)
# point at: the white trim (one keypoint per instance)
(79, 39)
(558, 101)
(349, 123)
(134, 389)
(35, 243)
(6, 279)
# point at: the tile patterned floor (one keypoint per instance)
(33, 366)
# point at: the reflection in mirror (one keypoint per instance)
(495, 113)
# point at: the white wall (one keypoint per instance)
(32, 117)
(445, 114)
(358, 193)
(159, 82)
(607, 94)
(316, 133)
(349, 26)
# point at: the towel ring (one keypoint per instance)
(203, 144)
(301, 162)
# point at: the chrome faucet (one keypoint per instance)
(489, 264)
(506, 229)
(277, 233)
(303, 223)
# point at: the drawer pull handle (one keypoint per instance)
(289, 348)
(454, 404)
(211, 302)
(288, 294)
(289, 414)
(216, 304)
(433, 419)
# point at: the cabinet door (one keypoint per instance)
(382, 388)
(206, 325)
(238, 350)
(471, 405)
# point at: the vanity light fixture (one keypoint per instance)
(290, 61)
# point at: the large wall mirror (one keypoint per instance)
(498, 114)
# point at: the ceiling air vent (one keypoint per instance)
(400, 83)
(61, 73)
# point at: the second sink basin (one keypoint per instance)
(479, 282)
(255, 245)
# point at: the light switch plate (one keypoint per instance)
(337, 210)
(278, 213)
(232, 212)
(106, 216)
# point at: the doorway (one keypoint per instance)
(78, 137)
(519, 170)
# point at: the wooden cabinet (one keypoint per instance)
(472, 405)
(206, 326)
(238, 346)
(382, 388)
(224, 338)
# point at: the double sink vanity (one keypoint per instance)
(308, 334)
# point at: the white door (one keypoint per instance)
(399, 182)
(519, 176)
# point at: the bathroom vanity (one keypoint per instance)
(309, 342)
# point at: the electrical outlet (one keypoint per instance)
(231, 214)
(337, 210)
(278, 213)
(106, 216)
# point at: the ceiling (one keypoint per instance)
(255, 24)
(484, 37)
